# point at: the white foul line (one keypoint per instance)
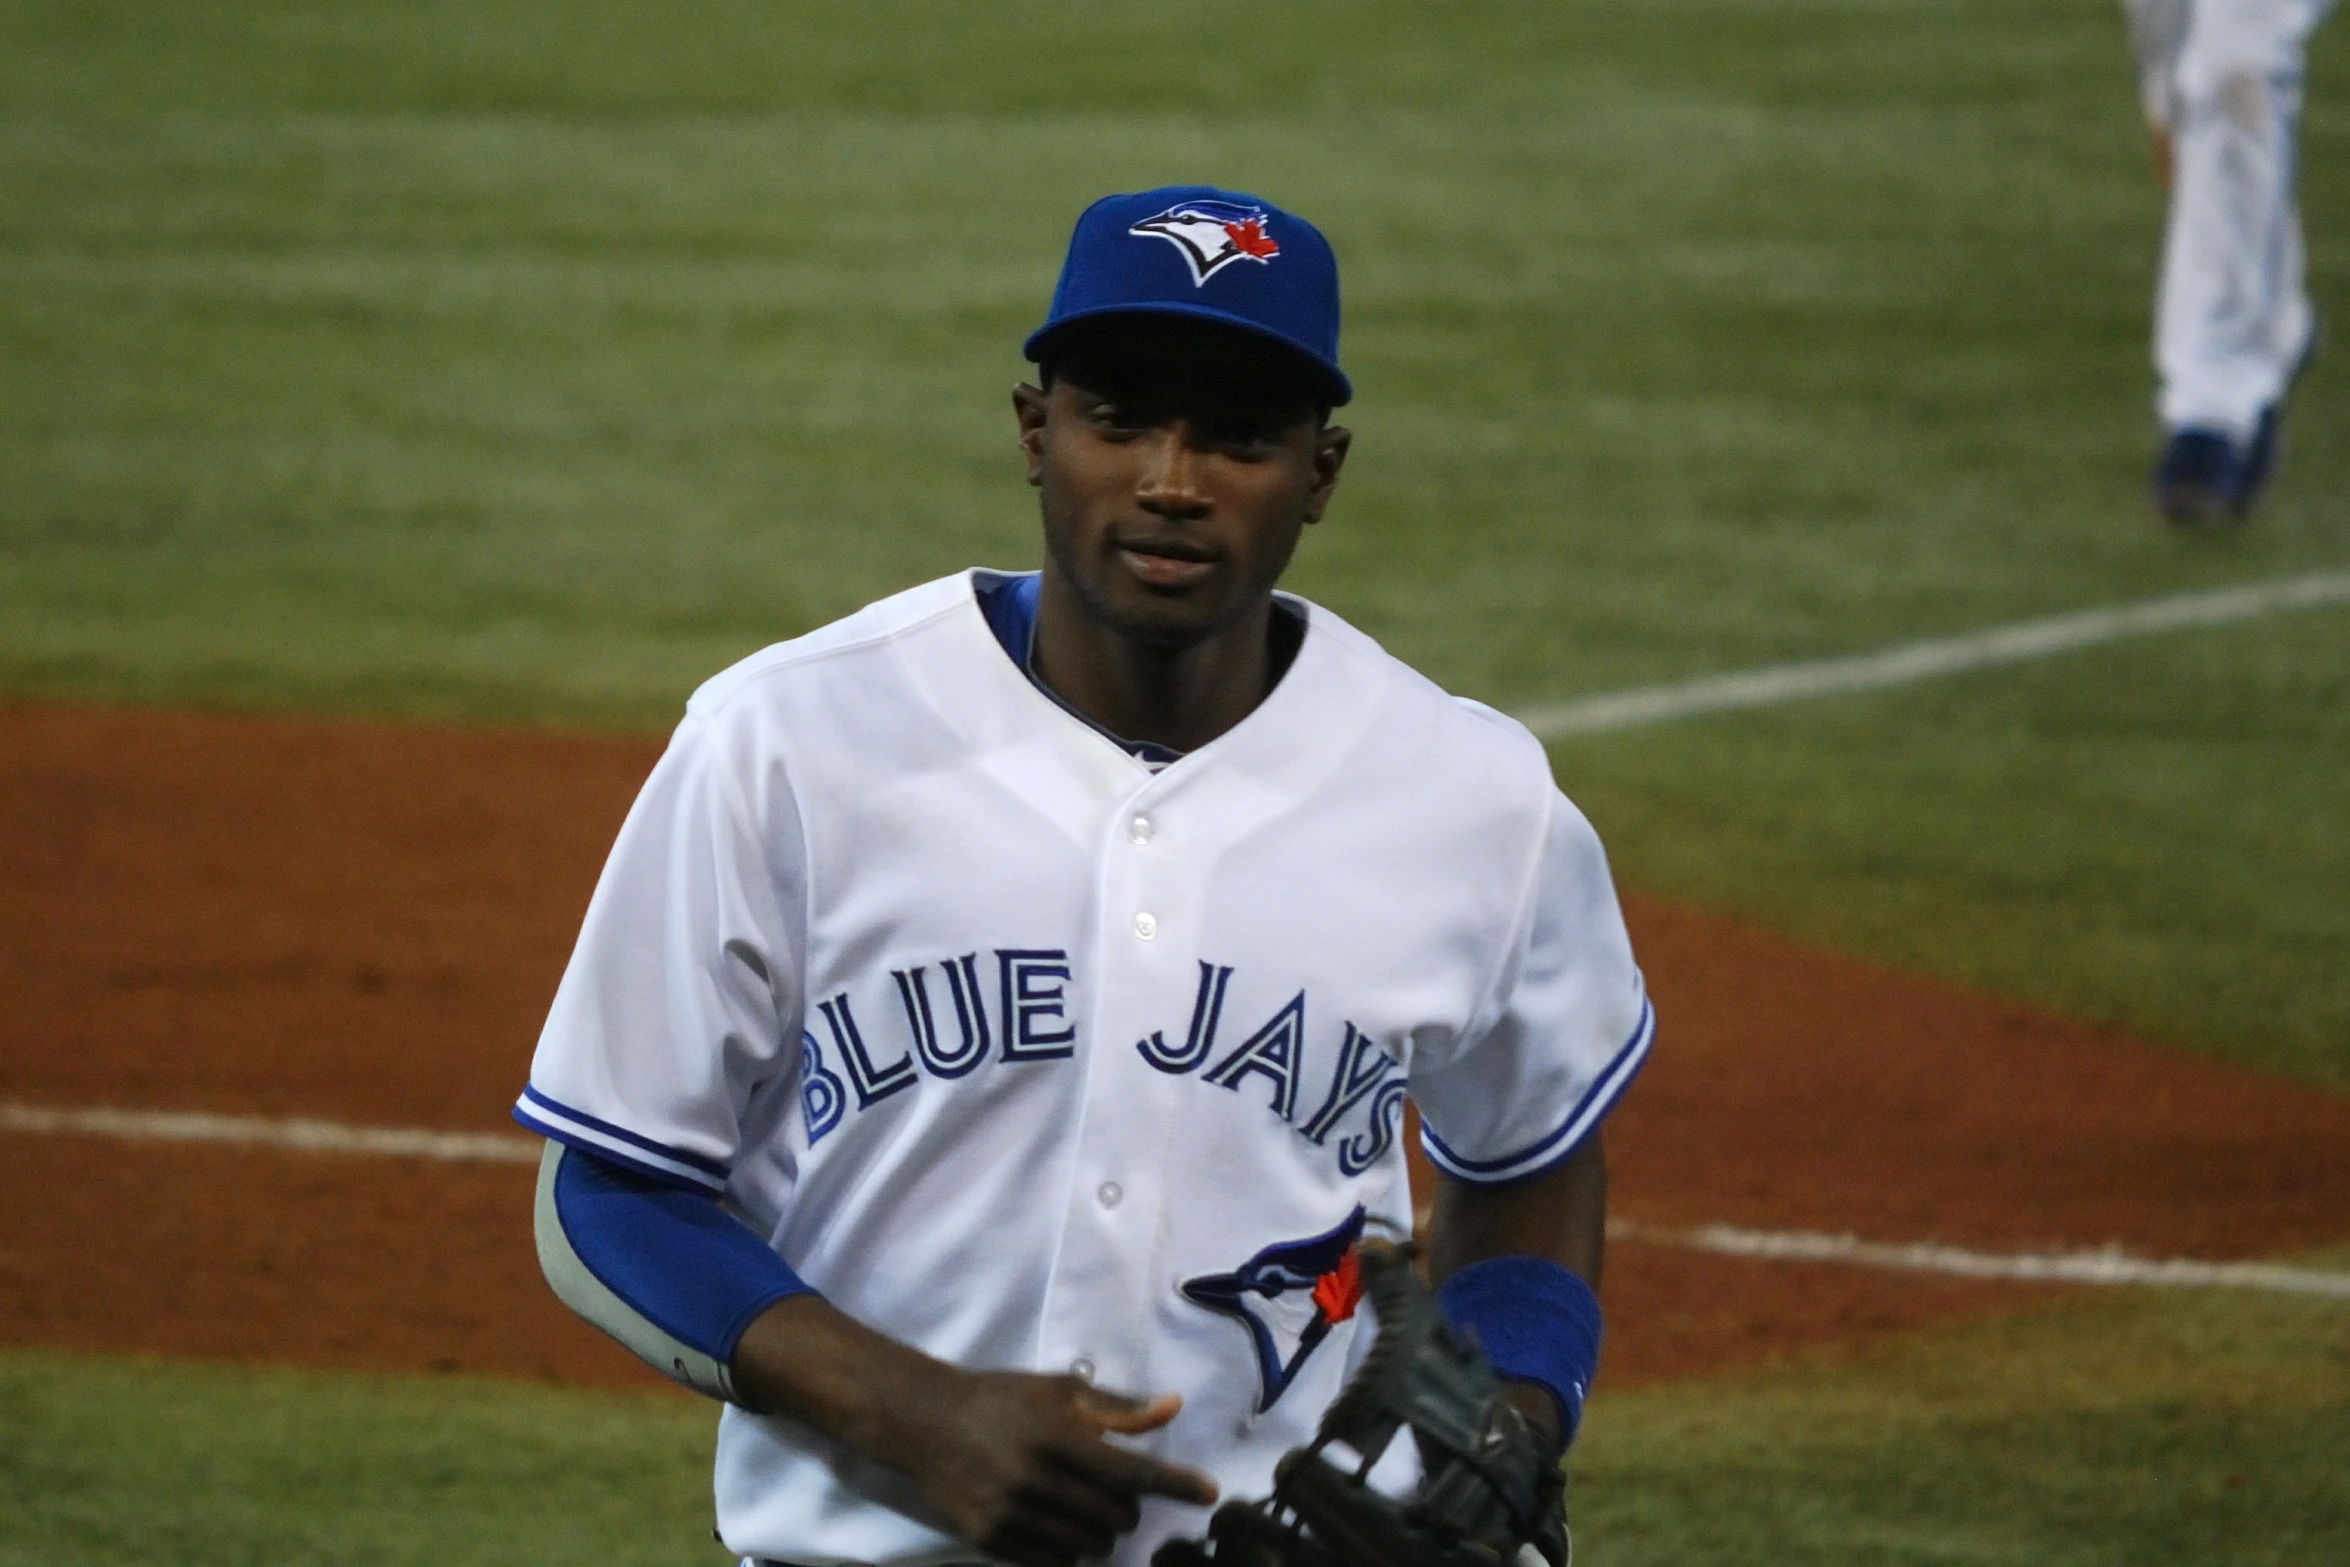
(1906, 662)
(183, 1126)
(2110, 1266)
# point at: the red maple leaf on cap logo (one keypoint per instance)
(1250, 239)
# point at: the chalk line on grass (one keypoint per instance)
(309, 1136)
(1805, 680)
(2110, 1266)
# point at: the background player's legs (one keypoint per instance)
(2232, 319)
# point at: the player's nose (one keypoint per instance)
(1170, 481)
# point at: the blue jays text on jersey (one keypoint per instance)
(1031, 1025)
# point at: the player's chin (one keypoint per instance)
(1168, 622)
(1173, 611)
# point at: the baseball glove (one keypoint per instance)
(1492, 1494)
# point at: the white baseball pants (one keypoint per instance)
(2231, 318)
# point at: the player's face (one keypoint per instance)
(1177, 464)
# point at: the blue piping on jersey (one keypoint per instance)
(1613, 1079)
(699, 1185)
(715, 1167)
(674, 1257)
(577, 1129)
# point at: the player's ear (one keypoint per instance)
(1331, 443)
(1028, 406)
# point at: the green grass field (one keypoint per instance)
(2113, 1431)
(528, 362)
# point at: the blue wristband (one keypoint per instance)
(1536, 1322)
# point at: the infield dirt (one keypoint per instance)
(364, 922)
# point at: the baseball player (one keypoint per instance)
(988, 1041)
(2221, 84)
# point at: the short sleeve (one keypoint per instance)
(1568, 1027)
(675, 1006)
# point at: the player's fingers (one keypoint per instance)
(1123, 1472)
(1129, 1472)
(1125, 1413)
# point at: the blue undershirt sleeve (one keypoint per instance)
(663, 1268)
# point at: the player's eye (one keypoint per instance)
(1246, 437)
(1116, 418)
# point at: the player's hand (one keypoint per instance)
(1013, 1463)
(1017, 1464)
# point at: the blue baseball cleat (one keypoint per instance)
(2200, 476)
(2260, 458)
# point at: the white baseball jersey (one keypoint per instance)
(1035, 1058)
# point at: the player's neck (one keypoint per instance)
(1180, 697)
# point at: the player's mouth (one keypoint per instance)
(1166, 564)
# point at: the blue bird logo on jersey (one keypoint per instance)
(1211, 235)
(1289, 1296)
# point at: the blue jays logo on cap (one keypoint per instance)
(1288, 1296)
(1211, 235)
(1121, 262)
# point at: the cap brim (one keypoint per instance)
(1335, 388)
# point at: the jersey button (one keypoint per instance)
(1111, 1194)
(1142, 829)
(1081, 1368)
(1146, 925)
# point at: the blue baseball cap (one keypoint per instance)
(1215, 255)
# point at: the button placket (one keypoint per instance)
(1109, 1250)
(1140, 830)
